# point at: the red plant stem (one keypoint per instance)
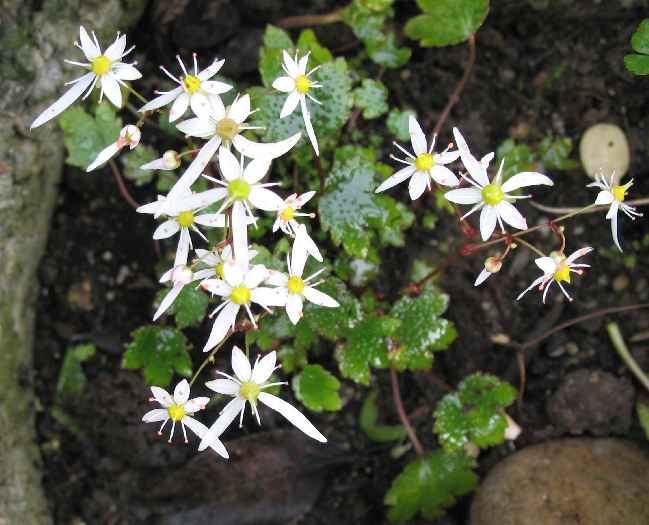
(123, 190)
(405, 420)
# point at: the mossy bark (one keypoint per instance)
(35, 37)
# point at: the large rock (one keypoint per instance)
(567, 482)
(33, 43)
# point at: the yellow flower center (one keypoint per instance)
(227, 128)
(240, 295)
(239, 189)
(100, 65)
(619, 192)
(287, 214)
(562, 273)
(191, 84)
(176, 412)
(295, 284)
(302, 84)
(249, 390)
(493, 194)
(218, 269)
(186, 219)
(424, 162)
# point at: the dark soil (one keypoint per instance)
(98, 279)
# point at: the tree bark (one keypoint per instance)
(35, 37)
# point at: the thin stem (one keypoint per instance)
(210, 357)
(123, 190)
(311, 20)
(531, 247)
(618, 343)
(405, 420)
(136, 93)
(558, 211)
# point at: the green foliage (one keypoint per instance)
(372, 97)
(429, 485)
(317, 389)
(133, 159)
(376, 432)
(159, 352)
(393, 219)
(330, 323)
(189, 307)
(474, 413)
(638, 62)
(292, 358)
(365, 347)
(422, 331)
(85, 135)
(446, 22)
(642, 409)
(72, 379)
(366, 19)
(397, 123)
(552, 154)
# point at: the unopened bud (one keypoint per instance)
(493, 264)
(171, 159)
(129, 136)
(513, 430)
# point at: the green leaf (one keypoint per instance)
(394, 218)
(474, 413)
(640, 39)
(366, 347)
(271, 332)
(85, 136)
(159, 352)
(372, 97)
(133, 159)
(422, 331)
(384, 51)
(189, 307)
(517, 157)
(429, 485)
(330, 323)
(72, 379)
(446, 22)
(368, 422)
(637, 64)
(307, 42)
(555, 153)
(292, 358)
(642, 409)
(398, 123)
(317, 389)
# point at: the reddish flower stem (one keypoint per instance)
(123, 190)
(405, 420)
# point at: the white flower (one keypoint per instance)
(240, 287)
(423, 166)
(287, 212)
(557, 268)
(170, 160)
(491, 265)
(215, 260)
(298, 84)
(128, 136)
(180, 275)
(181, 408)
(105, 68)
(293, 287)
(248, 386)
(225, 126)
(492, 197)
(614, 195)
(194, 90)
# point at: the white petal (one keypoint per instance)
(217, 287)
(579, 253)
(417, 137)
(268, 296)
(464, 196)
(240, 365)
(104, 156)
(395, 179)
(304, 198)
(284, 84)
(486, 160)
(157, 414)
(291, 102)
(612, 211)
(477, 171)
(211, 70)
(157, 164)
(526, 178)
(291, 65)
(166, 229)
(264, 368)
(232, 273)
(182, 250)
(309, 126)
(162, 396)
(226, 387)
(214, 220)
(446, 157)
(240, 236)
(197, 166)
(299, 253)
(269, 150)
(292, 414)
(307, 243)
(126, 72)
(511, 215)
(88, 46)
(111, 89)
(256, 170)
(535, 283)
(214, 87)
(178, 109)
(255, 276)
(162, 100)
(301, 65)
(604, 197)
(614, 232)
(317, 297)
(168, 300)
(200, 104)
(195, 405)
(276, 278)
(193, 201)
(265, 199)
(65, 101)
(482, 277)
(228, 164)
(443, 176)
(224, 321)
(181, 392)
(116, 49)
(417, 185)
(201, 430)
(195, 127)
(294, 307)
(229, 412)
(547, 265)
(488, 218)
(240, 109)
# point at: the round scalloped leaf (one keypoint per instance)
(317, 389)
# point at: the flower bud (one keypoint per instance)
(513, 430)
(171, 159)
(182, 275)
(129, 136)
(493, 264)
